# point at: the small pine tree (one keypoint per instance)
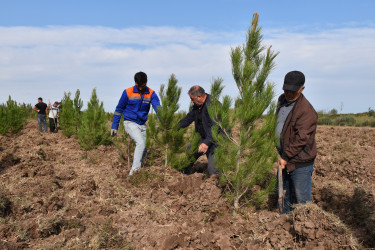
(246, 156)
(12, 117)
(3, 120)
(93, 130)
(124, 144)
(27, 109)
(67, 116)
(152, 129)
(164, 136)
(70, 114)
(77, 105)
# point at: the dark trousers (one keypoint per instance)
(297, 183)
(210, 157)
(52, 125)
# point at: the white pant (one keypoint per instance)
(138, 134)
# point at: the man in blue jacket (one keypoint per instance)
(203, 124)
(134, 106)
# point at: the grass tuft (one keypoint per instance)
(143, 177)
(5, 205)
(107, 237)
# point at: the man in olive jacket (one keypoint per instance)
(296, 128)
(203, 125)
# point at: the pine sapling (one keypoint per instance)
(124, 144)
(12, 117)
(164, 137)
(246, 151)
(77, 105)
(93, 130)
(67, 116)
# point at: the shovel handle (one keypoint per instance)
(280, 188)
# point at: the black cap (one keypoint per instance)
(293, 81)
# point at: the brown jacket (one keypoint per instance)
(298, 135)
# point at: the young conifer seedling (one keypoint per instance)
(246, 151)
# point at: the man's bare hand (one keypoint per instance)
(203, 148)
(281, 162)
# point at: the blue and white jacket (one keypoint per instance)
(135, 107)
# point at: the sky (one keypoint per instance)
(48, 47)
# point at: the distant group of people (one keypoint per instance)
(296, 127)
(53, 112)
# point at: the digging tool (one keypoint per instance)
(281, 192)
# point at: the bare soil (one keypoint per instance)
(55, 195)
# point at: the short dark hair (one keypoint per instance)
(196, 91)
(40, 98)
(140, 78)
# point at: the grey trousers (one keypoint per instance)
(138, 134)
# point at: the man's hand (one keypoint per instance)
(203, 148)
(281, 162)
(113, 132)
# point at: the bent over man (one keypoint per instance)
(296, 127)
(134, 106)
(203, 124)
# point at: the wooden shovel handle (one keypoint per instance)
(281, 192)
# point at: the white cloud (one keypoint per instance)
(105, 36)
(337, 64)
(46, 61)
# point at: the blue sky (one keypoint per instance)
(48, 47)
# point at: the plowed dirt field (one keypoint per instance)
(55, 195)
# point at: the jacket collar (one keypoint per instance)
(282, 101)
(135, 90)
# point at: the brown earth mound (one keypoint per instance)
(55, 195)
(344, 180)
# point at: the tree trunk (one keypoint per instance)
(166, 156)
(238, 161)
(236, 204)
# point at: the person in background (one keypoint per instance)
(296, 126)
(52, 115)
(41, 108)
(134, 106)
(58, 117)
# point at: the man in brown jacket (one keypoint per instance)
(296, 127)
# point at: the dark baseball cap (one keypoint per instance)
(294, 80)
